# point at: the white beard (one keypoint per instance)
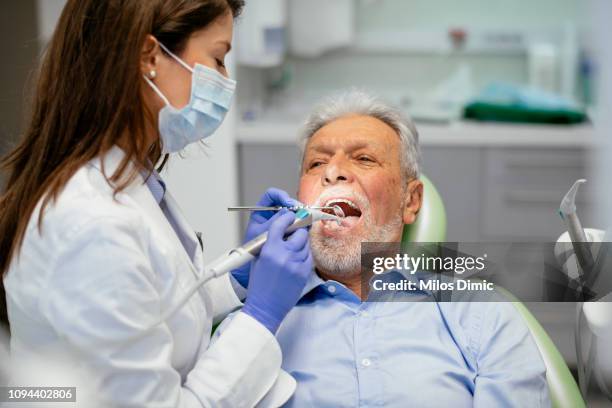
(340, 257)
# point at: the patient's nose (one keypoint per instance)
(336, 172)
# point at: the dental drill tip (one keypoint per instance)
(339, 213)
(332, 210)
(318, 215)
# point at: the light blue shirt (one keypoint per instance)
(156, 185)
(348, 353)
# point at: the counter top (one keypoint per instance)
(461, 133)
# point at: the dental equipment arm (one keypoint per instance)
(597, 357)
(245, 253)
(598, 316)
(567, 210)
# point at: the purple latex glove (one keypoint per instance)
(259, 222)
(279, 274)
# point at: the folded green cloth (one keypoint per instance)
(508, 103)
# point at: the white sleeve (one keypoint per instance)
(225, 298)
(102, 295)
(247, 353)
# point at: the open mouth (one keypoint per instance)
(351, 211)
(349, 208)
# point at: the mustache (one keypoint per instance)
(343, 192)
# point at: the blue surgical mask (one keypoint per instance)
(211, 97)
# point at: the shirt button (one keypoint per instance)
(331, 289)
(366, 362)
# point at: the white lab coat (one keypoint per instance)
(104, 270)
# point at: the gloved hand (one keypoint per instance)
(259, 223)
(279, 273)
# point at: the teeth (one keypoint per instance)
(341, 200)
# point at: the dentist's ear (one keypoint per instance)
(149, 57)
(413, 200)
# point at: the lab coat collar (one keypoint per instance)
(140, 193)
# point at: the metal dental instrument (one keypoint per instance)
(336, 209)
(567, 210)
(236, 257)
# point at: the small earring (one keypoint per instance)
(152, 74)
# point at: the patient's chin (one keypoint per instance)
(339, 253)
(337, 265)
(337, 257)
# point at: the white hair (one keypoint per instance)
(357, 102)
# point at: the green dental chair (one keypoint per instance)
(430, 226)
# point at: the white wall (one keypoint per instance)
(602, 30)
(416, 14)
(49, 12)
(396, 75)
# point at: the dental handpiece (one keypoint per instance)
(246, 252)
(239, 256)
(335, 208)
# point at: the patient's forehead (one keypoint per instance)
(352, 133)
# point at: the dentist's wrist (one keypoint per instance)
(268, 320)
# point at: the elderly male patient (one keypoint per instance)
(363, 155)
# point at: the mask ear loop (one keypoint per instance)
(180, 61)
(152, 85)
(157, 91)
(221, 80)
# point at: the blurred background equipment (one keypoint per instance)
(261, 36)
(320, 26)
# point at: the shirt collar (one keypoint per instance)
(316, 286)
(314, 280)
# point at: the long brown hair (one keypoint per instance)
(87, 95)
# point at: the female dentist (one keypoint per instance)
(94, 250)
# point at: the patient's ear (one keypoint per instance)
(413, 200)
